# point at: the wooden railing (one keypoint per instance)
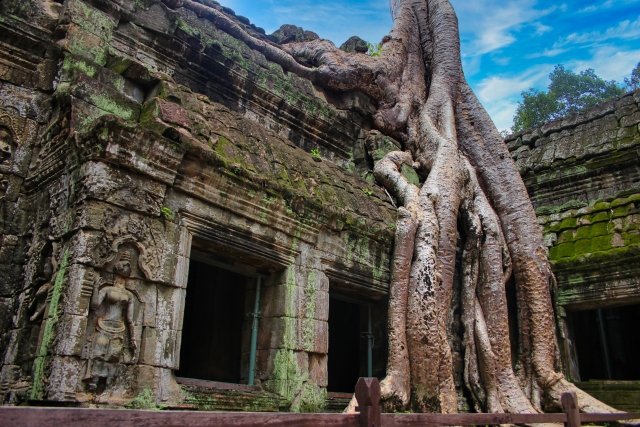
(367, 395)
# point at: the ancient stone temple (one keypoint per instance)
(185, 224)
(146, 152)
(583, 177)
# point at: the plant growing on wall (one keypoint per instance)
(468, 178)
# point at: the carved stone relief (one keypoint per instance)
(115, 321)
(39, 300)
(8, 142)
(151, 244)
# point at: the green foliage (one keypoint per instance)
(577, 91)
(145, 400)
(315, 153)
(374, 49)
(567, 93)
(633, 83)
(535, 109)
(367, 192)
(167, 213)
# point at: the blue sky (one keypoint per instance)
(507, 45)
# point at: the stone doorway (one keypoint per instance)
(607, 342)
(357, 341)
(215, 333)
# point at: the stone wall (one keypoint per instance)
(130, 131)
(583, 176)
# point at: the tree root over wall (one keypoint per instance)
(469, 177)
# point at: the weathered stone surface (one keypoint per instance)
(624, 395)
(137, 193)
(117, 164)
(290, 33)
(355, 44)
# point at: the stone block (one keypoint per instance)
(181, 272)
(74, 65)
(13, 339)
(6, 305)
(65, 376)
(282, 300)
(280, 332)
(627, 110)
(624, 101)
(158, 18)
(9, 279)
(7, 248)
(9, 375)
(79, 290)
(264, 364)
(30, 103)
(148, 346)
(322, 305)
(149, 296)
(178, 348)
(105, 98)
(70, 336)
(139, 150)
(90, 19)
(82, 245)
(122, 188)
(320, 343)
(168, 112)
(158, 348)
(170, 307)
(83, 113)
(318, 371)
(81, 42)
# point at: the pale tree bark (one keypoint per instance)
(469, 178)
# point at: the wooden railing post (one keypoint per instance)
(570, 407)
(368, 397)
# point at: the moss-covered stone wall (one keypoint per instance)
(582, 173)
(137, 132)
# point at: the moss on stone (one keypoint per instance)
(570, 222)
(48, 333)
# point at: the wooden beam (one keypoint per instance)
(570, 407)
(76, 417)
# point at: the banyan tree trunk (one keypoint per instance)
(468, 178)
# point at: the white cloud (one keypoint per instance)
(624, 30)
(504, 61)
(541, 29)
(547, 53)
(495, 88)
(609, 62)
(606, 5)
(491, 24)
(500, 94)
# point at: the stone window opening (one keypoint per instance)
(218, 320)
(357, 340)
(607, 343)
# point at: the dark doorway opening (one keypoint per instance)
(212, 332)
(512, 312)
(355, 325)
(608, 343)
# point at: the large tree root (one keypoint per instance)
(425, 102)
